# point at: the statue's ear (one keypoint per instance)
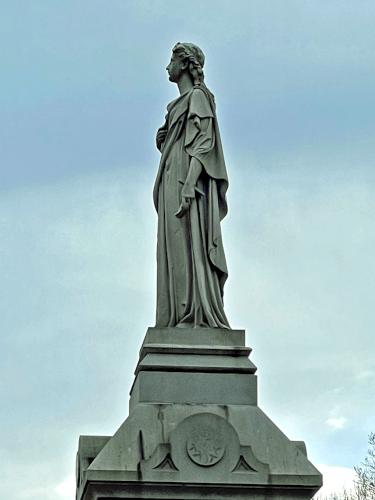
(184, 64)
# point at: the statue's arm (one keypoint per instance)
(161, 134)
(188, 189)
(195, 169)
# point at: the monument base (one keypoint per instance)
(194, 429)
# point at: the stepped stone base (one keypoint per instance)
(194, 429)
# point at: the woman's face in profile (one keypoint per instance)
(175, 68)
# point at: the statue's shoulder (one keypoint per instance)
(200, 104)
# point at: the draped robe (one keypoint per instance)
(191, 265)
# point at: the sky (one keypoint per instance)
(83, 89)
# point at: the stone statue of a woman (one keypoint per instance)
(189, 196)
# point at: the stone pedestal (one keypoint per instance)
(194, 429)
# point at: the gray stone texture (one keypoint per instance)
(194, 429)
(190, 199)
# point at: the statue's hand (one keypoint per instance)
(183, 208)
(160, 137)
(187, 194)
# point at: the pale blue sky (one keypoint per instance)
(83, 89)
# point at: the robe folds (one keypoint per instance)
(191, 265)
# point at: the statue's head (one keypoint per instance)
(186, 57)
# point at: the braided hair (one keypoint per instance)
(195, 57)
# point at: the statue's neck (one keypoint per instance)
(185, 83)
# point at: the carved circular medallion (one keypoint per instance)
(205, 447)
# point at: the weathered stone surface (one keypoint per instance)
(196, 363)
(195, 388)
(151, 425)
(152, 446)
(88, 449)
(190, 431)
(213, 337)
(195, 349)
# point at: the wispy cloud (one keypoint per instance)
(365, 375)
(66, 489)
(336, 422)
(335, 480)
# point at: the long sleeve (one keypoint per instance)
(202, 141)
(199, 137)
